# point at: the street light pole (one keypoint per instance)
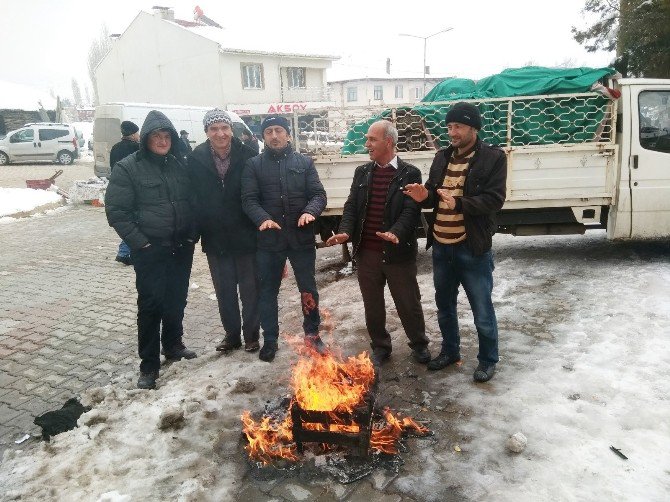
(425, 41)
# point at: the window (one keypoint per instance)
(296, 78)
(352, 94)
(418, 92)
(398, 91)
(23, 136)
(655, 120)
(252, 76)
(379, 92)
(46, 134)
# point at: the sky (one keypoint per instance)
(45, 42)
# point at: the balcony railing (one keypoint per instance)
(320, 94)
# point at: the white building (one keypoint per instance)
(380, 91)
(162, 60)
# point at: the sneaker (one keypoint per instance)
(484, 372)
(126, 260)
(179, 352)
(229, 344)
(379, 356)
(268, 352)
(421, 355)
(316, 344)
(442, 361)
(252, 346)
(147, 380)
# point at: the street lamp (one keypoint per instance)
(425, 39)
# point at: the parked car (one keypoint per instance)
(39, 142)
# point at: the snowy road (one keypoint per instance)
(585, 333)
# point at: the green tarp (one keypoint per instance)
(534, 122)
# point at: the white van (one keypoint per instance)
(108, 118)
(53, 142)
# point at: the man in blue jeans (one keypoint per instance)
(466, 186)
(282, 195)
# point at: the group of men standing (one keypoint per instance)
(256, 211)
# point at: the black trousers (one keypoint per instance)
(162, 277)
(373, 275)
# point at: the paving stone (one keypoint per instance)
(366, 492)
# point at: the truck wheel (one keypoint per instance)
(4, 159)
(64, 157)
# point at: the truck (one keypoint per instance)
(576, 161)
(108, 118)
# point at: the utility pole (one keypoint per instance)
(425, 41)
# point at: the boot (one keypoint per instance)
(179, 352)
(442, 361)
(147, 380)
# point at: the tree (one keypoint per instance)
(76, 92)
(98, 50)
(639, 31)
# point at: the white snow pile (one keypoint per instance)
(22, 200)
(584, 327)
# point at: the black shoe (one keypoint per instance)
(316, 344)
(126, 260)
(178, 352)
(268, 352)
(229, 344)
(147, 380)
(421, 355)
(484, 372)
(379, 356)
(442, 361)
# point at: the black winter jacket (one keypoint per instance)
(149, 198)
(483, 194)
(401, 213)
(222, 223)
(281, 186)
(121, 150)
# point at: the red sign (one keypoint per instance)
(287, 107)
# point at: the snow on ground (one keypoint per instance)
(584, 366)
(20, 200)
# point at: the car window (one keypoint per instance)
(46, 134)
(655, 120)
(22, 136)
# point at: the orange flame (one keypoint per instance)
(325, 383)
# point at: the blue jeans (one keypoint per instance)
(454, 265)
(124, 249)
(270, 265)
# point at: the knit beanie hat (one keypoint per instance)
(275, 120)
(216, 115)
(464, 113)
(128, 128)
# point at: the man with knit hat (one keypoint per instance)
(130, 143)
(282, 195)
(228, 235)
(466, 187)
(150, 204)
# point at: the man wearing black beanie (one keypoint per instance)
(466, 186)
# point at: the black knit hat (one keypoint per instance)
(128, 128)
(275, 120)
(464, 113)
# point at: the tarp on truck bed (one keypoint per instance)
(543, 121)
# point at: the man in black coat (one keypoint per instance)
(228, 235)
(149, 202)
(282, 195)
(381, 223)
(466, 187)
(130, 143)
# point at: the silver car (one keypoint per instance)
(39, 142)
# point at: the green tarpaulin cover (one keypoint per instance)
(534, 122)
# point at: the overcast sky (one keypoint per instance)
(45, 42)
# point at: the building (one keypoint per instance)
(160, 59)
(380, 91)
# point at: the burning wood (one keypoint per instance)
(332, 404)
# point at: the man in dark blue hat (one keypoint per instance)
(282, 195)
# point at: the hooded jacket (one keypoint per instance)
(149, 198)
(224, 227)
